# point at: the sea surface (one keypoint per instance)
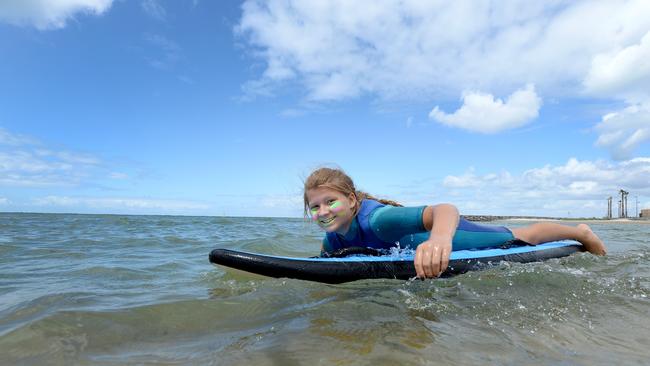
(139, 290)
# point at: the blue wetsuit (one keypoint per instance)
(382, 227)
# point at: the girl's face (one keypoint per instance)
(330, 209)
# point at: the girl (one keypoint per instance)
(353, 218)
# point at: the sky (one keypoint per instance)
(223, 108)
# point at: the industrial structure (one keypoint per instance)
(622, 206)
(609, 207)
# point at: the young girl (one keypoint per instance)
(355, 219)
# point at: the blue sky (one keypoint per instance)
(222, 108)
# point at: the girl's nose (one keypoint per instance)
(323, 210)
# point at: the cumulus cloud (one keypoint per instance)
(26, 169)
(414, 49)
(623, 131)
(272, 205)
(483, 113)
(7, 138)
(117, 203)
(470, 180)
(48, 14)
(624, 73)
(24, 162)
(578, 186)
(466, 180)
(281, 201)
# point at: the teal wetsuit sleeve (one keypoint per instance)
(404, 225)
(391, 223)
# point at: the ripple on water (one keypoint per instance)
(154, 330)
(103, 289)
(40, 307)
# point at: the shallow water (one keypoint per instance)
(122, 290)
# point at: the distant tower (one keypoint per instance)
(623, 203)
(609, 207)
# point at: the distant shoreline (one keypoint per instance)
(488, 218)
(475, 218)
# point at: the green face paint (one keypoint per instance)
(334, 206)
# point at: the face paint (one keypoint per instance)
(336, 206)
(330, 209)
(314, 213)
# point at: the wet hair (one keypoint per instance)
(337, 180)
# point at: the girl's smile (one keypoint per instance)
(330, 209)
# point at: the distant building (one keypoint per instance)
(645, 213)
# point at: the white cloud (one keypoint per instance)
(68, 157)
(168, 50)
(413, 49)
(7, 138)
(271, 205)
(422, 51)
(466, 180)
(4, 201)
(154, 9)
(281, 201)
(48, 14)
(118, 175)
(470, 180)
(24, 162)
(27, 169)
(186, 79)
(292, 112)
(624, 73)
(483, 113)
(623, 131)
(117, 203)
(581, 187)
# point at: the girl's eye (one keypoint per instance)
(314, 210)
(333, 203)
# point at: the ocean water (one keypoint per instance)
(139, 290)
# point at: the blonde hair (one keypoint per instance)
(337, 180)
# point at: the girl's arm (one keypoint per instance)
(432, 255)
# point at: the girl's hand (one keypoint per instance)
(432, 256)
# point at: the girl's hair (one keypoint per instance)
(337, 180)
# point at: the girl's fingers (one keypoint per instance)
(426, 263)
(423, 262)
(435, 262)
(445, 260)
(418, 263)
(430, 261)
